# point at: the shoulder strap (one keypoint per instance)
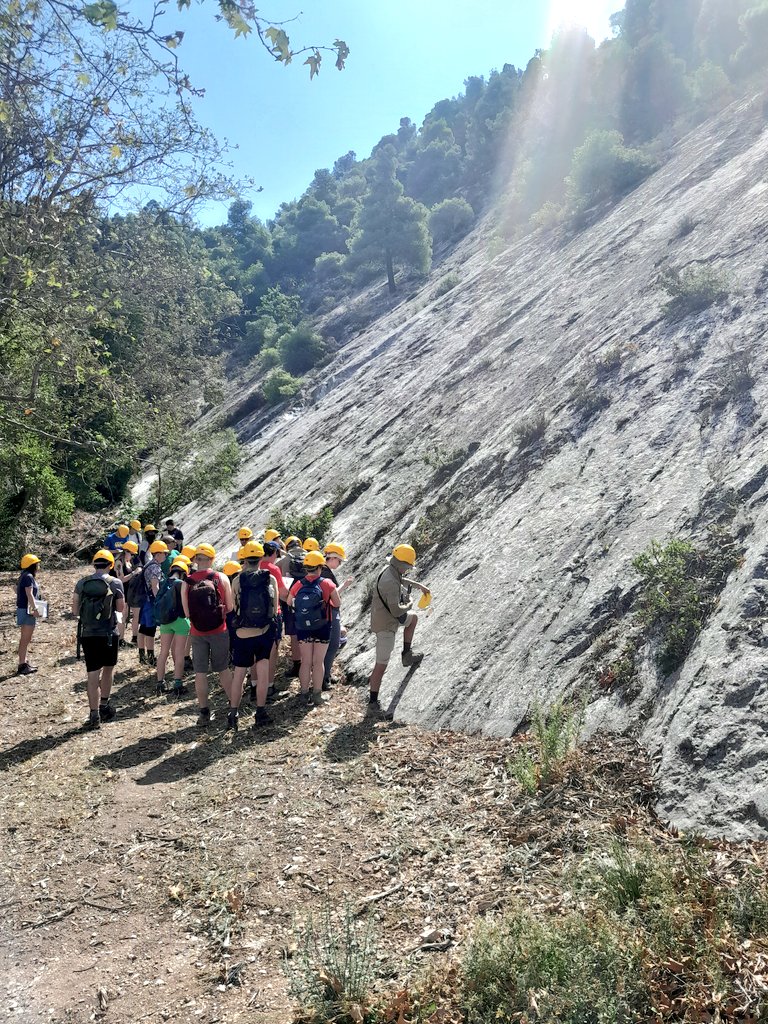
(378, 590)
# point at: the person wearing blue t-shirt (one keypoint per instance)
(114, 541)
(27, 611)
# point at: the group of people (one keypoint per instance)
(227, 621)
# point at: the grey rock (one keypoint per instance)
(536, 542)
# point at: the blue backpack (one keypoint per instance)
(310, 606)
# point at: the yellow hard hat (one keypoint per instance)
(180, 563)
(104, 556)
(149, 528)
(335, 549)
(205, 550)
(314, 559)
(310, 544)
(122, 530)
(252, 550)
(182, 558)
(244, 533)
(157, 546)
(425, 600)
(132, 546)
(135, 524)
(28, 560)
(405, 553)
(271, 534)
(241, 553)
(292, 540)
(231, 568)
(189, 551)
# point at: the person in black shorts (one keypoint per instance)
(97, 602)
(312, 599)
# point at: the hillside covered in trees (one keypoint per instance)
(118, 329)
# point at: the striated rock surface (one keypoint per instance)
(417, 426)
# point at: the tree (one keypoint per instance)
(450, 220)
(390, 227)
(655, 89)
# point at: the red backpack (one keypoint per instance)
(206, 607)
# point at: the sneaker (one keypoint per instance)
(161, 688)
(106, 712)
(204, 718)
(252, 695)
(26, 669)
(94, 721)
(343, 642)
(232, 719)
(179, 689)
(326, 685)
(262, 718)
(411, 659)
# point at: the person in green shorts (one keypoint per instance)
(173, 635)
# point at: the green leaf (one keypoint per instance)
(5, 111)
(102, 13)
(115, 152)
(235, 20)
(313, 60)
(83, 78)
(281, 46)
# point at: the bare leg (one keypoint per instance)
(166, 639)
(177, 648)
(261, 670)
(201, 689)
(305, 671)
(135, 613)
(318, 666)
(225, 678)
(94, 690)
(107, 675)
(374, 683)
(236, 691)
(272, 664)
(24, 641)
(409, 631)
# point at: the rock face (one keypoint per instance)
(428, 421)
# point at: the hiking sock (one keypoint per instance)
(179, 687)
(406, 647)
(142, 656)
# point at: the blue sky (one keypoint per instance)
(406, 55)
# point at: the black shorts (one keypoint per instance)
(99, 652)
(147, 630)
(248, 649)
(289, 619)
(322, 635)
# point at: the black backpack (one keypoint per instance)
(256, 604)
(96, 608)
(136, 590)
(296, 567)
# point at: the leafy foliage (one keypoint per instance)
(300, 350)
(555, 733)
(693, 290)
(279, 385)
(450, 219)
(302, 524)
(603, 168)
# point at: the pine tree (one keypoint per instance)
(390, 227)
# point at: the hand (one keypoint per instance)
(36, 613)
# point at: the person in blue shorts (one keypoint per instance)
(27, 612)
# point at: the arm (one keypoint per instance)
(185, 599)
(413, 583)
(31, 602)
(347, 582)
(276, 596)
(333, 598)
(75, 604)
(229, 601)
(155, 585)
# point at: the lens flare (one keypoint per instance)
(594, 15)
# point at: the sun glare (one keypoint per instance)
(594, 15)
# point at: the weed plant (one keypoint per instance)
(692, 291)
(530, 430)
(302, 524)
(332, 971)
(447, 284)
(555, 733)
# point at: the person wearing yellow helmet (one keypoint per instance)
(99, 603)
(126, 565)
(206, 596)
(256, 604)
(335, 556)
(153, 577)
(390, 609)
(114, 540)
(135, 532)
(174, 627)
(27, 610)
(310, 544)
(150, 536)
(291, 565)
(244, 534)
(269, 562)
(312, 599)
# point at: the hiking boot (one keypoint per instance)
(142, 656)
(94, 721)
(326, 685)
(252, 695)
(411, 659)
(262, 718)
(204, 718)
(305, 700)
(106, 712)
(161, 688)
(26, 669)
(133, 640)
(232, 719)
(188, 667)
(179, 689)
(317, 699)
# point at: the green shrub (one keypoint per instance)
(329, 267)
(530, 430)
(446, 284)
(258, 333)
(555, 734)
(692, 291)
(278, 386)
(301, 349)
(440, 524)
(680, 588)
(332, 971)
(269, 358)
(450, 220)
(547, 216)
(626, 876)
(290, 522)
(604, 168)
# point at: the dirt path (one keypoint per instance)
(151, 873)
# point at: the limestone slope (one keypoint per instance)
(418, 420)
